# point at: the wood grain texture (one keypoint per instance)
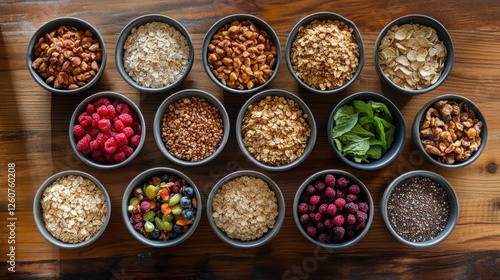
(34, 126)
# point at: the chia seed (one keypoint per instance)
(418, 209)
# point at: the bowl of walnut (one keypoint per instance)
(241, 53)
(275, 130)
(191, 127)
(71, 209)
(246, 209)
(450, 131)
(414, 54)
(325, 52)
(154, 53)
(66, 55)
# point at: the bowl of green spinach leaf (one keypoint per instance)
(366, 131)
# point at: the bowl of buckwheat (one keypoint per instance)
(241, 53)
(246, 209)
(414, 54)
(71, 209)
(420, 208)
(324, 52)
(66, 55)
(275, 130)
(450, 131)
(191, 127)
(154, 53)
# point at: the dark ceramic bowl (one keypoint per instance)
(399, 135)
(125, 33)
(324, 16)
(443, 35)
(54, 25)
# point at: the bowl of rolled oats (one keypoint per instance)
(414, 54)
(241, 53)
(324, 52)
(450, 131)
(246, 209)
(71, 209)
(275, 130)
(66, 55)
(154, 53)
(191, 127)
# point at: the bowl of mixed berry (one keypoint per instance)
(107, 130)
(333, 209)
(161, 207)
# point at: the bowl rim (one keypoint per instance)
(398, 143)
(416, 131)
(128, 193)
(310, 121)
(324, 15)
(259, 23)
(444, 36)
(67, 21)
(38, 212)
(142, 20)
(268, 236)
(190, 93)
(81, 108)
(366, 194)
(453, 202)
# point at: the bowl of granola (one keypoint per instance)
(154, 53)
(71, 209)
(246, 209)
(325, 53)
(275, 130)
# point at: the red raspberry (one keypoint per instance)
(328, 223)
(340, 203)
(330, 192)
(338, 220)
(122, 108)
(304, 218)
(109, 158)
(110, 145)
(338, 234)
(98, 155)
(102, 101)
(340, 193)
(137, 218)
(96, 117)
(351, 207)
(83, 144)
(315, 199)
(128, 131)
(331, 210)
(349, 234)
(354, 189)
(95, 145)
(320, 186)
(311, 231)
(303, 208)
(342, 182)
(304, 198)
(310, 190)
(118, 125)
(104, 125)
(90, 109)
(322, 209)
(358, 225)
(350, 219)
(330, 180)
(125, 149)
(126, 119)
(323, 237)
(119, 157)
(94, 132)
(102, 111)
(133, 114)
(102, 137)
(135, 140)
(85, 120)
(121, 139)
(78, 130)
(320, 227)
(351, 198)
(363, 207)
(312, 208)
(361, 216)
(111, 111)
(318, 217)
(137, 127)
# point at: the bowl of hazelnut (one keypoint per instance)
(66, 55)
(450, 131)
(241, 53)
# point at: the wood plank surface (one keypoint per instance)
(34, 136)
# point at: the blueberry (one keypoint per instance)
(165, 177)
(185, 202)
(155, 234)
(178, 230)
(187, 214)
(188, 191)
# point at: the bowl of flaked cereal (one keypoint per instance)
(246, 209)
(191, 127)
(324, 52)
(71, 209)
(275, 130)
(154, 53)
(414, 54)
(241, 53)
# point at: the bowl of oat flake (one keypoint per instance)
(71, 209)
(246, 209)
(154, 53)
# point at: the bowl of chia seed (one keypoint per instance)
(420, 208)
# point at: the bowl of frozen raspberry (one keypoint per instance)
(333, 209)
(107, 130)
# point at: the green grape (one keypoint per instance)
(134, 201)
(168, 226)
(167, 218)
(149, 227)
(151, 192)
(177, 209)
(175, 199)
(148, 216)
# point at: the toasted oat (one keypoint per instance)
(245, 208)
(73, 208)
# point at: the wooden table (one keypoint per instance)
(34, 126)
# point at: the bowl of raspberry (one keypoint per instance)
(107, 130)
(333, 209)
